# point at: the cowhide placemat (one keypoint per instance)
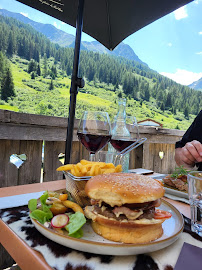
(63, 258)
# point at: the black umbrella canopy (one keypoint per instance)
(108, 21)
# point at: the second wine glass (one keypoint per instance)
(94, 131)
(122, 136)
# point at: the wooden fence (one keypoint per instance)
(27, 134)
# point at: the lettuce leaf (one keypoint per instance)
(44, 213)
(77, 234)
(76, 221)
(32, 204)
(40, 215)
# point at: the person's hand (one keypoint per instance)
(189, 155)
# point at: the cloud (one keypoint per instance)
(200, 33)
(180, 13)
(24, 14)
(56, 25)
(197, 2)
(199, 53)
(183, 77)
(170, 44)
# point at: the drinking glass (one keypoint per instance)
(94, 131)
(121, 140)
(195, 199)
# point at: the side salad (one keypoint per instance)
(54, 211)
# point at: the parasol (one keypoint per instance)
(109, 22)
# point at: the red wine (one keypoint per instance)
(120, 144)
(93, 143)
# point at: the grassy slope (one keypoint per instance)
(34, 96)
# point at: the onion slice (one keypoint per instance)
(59, 221)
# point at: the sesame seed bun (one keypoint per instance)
(123, 188)
(136, 235)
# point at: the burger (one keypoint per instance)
(123, 207)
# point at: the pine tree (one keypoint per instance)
(7, 88)
(31, 66)
(51, 86)
(45, 70)
(186, 111)
(11, 45)
(33, 75)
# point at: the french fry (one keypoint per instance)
(79, 166)
(97, 170)
(109, 165)
(66, 167)
(90, 168)
(74, 206)
(72, 171)
(100, 164)
(84, 170)
(111, 170)
(84, 162)
(118, 168)
(77, 171)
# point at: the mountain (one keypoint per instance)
(51, 32)
(196, 85)
(122, 50)
(67, 40)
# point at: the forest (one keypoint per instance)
(47, 67)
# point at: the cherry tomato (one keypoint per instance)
(161, 214)
(63, 197)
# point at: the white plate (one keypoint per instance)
(172, 191)
(176, 192)
(93, 243)
(140, 171)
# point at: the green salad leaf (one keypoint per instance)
(44, 213)
(76, 221)
(40, 215)
(32, 204)
(77, 234)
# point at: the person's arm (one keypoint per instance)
(189, 155)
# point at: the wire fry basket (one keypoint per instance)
(76, 185)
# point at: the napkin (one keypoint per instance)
(190, 258)
(18, 200)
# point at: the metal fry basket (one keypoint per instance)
(76, 185)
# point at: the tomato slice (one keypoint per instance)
(161, 214)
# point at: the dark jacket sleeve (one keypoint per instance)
(194, 132)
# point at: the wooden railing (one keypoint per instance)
(26, 134)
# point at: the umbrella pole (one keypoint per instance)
(75, 83)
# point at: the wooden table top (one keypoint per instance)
(26, 257)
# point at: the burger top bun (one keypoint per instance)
(123, 188)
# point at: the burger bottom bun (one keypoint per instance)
(138, 235)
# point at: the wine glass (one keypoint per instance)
(123, 136)
(94, 131)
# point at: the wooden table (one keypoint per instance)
(26, 257)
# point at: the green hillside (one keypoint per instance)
(35, 78)
(34, 96)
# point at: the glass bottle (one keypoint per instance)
(120, 131)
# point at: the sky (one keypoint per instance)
(171, 45)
